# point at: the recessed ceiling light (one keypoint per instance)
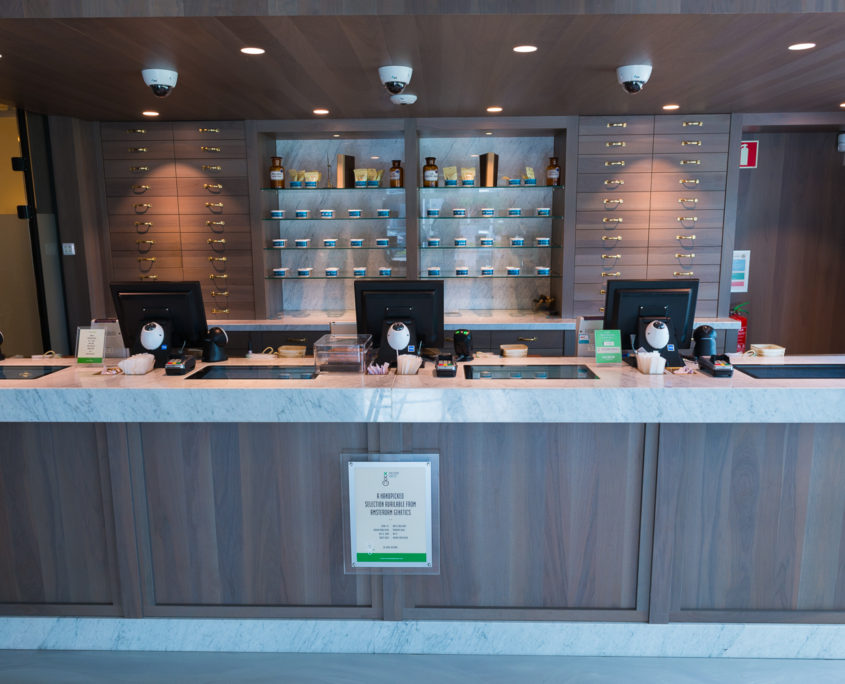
(670, 107)
(321, 112)
(842, 104)
(494, 110)
(375, 156)
(150, 112)
(525, 48)
(802, 46)
(488, 133)
(336, 135)
(474, 155)
(252, 50)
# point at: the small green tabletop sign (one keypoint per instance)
(90, 345)
(608, 346)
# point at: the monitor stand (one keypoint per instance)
(670, 351)
(386, 354)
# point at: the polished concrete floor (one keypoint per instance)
(132, 667)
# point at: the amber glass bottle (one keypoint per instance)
(397, 174)
(277, 173)
(553, 172)
(430, 173)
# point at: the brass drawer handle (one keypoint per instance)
(220, 311)
(214, 205)
(215, 223)
(139, 169)
(615, 143)
(526, 339)
(616, 201)
(692, 123)
(683, 273)
(222, 293)
(138, 150)
(685, 237)
(614, 181)
(611, 237)
(297, 340)
(611, 274)
(691, 255)
(620, 162)
(145, 242)
(213, 168)
(146, 258)
(691, 142)
(149, 277)
(217, 258)
(143, 224)
(218, 276)
(140, 188)
(213, 186)
(205, 148)
(616, 219)
(693, 162)
(142, 207)
(208, 130)
(611, 256)
(617, 124)
(601, 308)
(689, 181)
(602, 291)
(685, 219)
(138, 131)
(212, 241)
(688, 200)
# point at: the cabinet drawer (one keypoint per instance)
(592, 307)
(203, 187)
(139, 168)
(705, 273)
(221, 311)
(614, 182)
(216, 263)
(586, 292)
(685, 220)
(144, 263)
(136, 187)
(123, 273)
(690, 163)
(699, 256)
(612, 257)
(688, 143)
(603, 220)
(687, 200)
(209, 149)
(533, 339)
(693, 123)
(613, 201)
(143, 225)
(146, 244)
(143, 206)
(614, 145)
(231, 223)
(706, 307)
(616, 125)
(637, 163)
(611, 240)
(597, 274)
(217, 205)
(210, 168)
(680, 181)
(135, 131)
(209, 130)
(207, 241)
(236, 276)
(223, 292)
(694, 238)
(141, 150)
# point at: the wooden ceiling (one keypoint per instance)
(90, 67)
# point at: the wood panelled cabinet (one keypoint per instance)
(650, 203)
(178, 204)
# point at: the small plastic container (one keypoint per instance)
(488, 211)
(544, 211)
(514, 211)
(432, 213)
(302, 243)
(383, 213)
(468, 182)
(385, 271)
(280, 243)
(302, 213)
(304, 272)
(459, 211)
(354, 213)
(356, 242)
(513, 270)
(327, 213)
(329, 242)
(543, 241)
(542, 270)
(651, 365)
(433, 242)
(487, 270)
(460, 242)
(514, 181)
(434, 270)
(517, 241)
(280, 271)
(295, 184)
(332, 272)
(360, 184)
(372, 183)
(451, 182)
(359, 271)
(486, 242)
(342, 353)
(311, 184)
(277, 213)
(461, 271)
(383, 242)
(529, 181)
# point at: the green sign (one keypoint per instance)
(608, 346)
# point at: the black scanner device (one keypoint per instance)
(462, 340)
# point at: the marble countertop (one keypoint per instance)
(619, 395)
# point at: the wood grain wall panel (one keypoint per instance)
(543, 517)
(756, 524)
(248, 515)
(55, 541)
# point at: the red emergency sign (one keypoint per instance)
(748, 154)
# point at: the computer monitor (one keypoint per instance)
(630, 305)
(177, 307)
(417, 303)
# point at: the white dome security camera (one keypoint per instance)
(657, 334)
(152, 336)
(161, 81)
(633, 77)
(398, 336)
(395, 78)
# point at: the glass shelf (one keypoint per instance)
(498, 187)
(425, 276)
(484, 218)
(330, 249)
(453, 247)
(339, 218)
(294, 278)
(389, 191)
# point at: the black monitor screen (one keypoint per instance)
(177, 303)
(628, 300)
(416, 301)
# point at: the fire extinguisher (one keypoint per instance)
(739, 312)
